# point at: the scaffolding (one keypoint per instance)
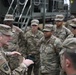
(40, 9)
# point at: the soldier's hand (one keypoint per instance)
(15, 53)
(27, 62)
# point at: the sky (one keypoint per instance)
(66, 2)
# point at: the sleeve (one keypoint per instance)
(22, 42)
(20, 70)
(7, 53)
(68, 32)
(58, 45)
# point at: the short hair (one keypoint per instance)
(71, 57)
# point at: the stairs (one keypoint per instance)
(21, 19)
(24, 12)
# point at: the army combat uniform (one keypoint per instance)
(73, 29)
(68, 52)
(5, 37)
(5, 68)
(49, 51)
(32, 48)
(61, 31)
(49, 62)
(13, 43)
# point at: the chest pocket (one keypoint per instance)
(62, 35)
(49, 49)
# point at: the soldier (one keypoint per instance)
(50, 47)
(9, 19)
(61, 31)
(73, 28)
(5, 37)
(14, 44)
(32, 37)
(68, 56)
(69, 21)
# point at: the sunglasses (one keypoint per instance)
(58, 21)
(73, 27)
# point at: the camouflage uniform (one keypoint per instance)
(69, 46)
(32, 49)
(49, 51)
(73, 29)
(13, 46)
(69, 21)
(61, 32)
(4, 67)
(14, 43)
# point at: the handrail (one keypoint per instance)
(27, 23)
(22, 10)
(10, 6)
(15, 9)
(26, 15)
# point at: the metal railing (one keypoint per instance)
(26, 17)
(22, 10)
(10, 6)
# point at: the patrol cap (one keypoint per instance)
(72, 16)
(73, 24)
(35, 22)
(6, 30)
(69, 45)
(9, 17)
(59, 18)
(48, 27)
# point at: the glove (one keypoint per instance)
(27, 62)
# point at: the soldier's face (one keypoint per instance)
(74, 30)
(59, 23)
(34, 27)
(9, 23)
(5, 39)
(47, 34)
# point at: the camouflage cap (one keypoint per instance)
(73, 24)
(9, 17)
(6, 30)
(35, 22)
(72, 17)
(69, 45)
(59, 18)
(48, 27)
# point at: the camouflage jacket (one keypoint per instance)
(5, 68)
(14, 43)
(71, 36)
(32, 41)
(48, 55)
(61, 33)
